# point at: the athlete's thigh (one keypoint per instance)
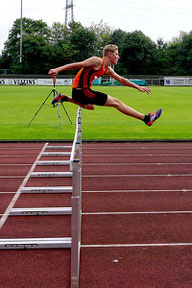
(110, 101)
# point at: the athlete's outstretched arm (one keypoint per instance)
(126, 82)
(90, 62)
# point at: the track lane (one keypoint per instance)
(136, 266)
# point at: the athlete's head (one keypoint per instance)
(109, 48)
(111, 51)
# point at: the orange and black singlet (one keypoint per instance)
(86, 76)
(82, 91)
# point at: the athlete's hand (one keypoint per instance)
(144, 89)
(53, 72)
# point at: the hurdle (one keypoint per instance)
(75, 167)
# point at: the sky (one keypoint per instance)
(155, 18)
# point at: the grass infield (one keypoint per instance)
(18, 104)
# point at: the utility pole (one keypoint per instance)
(21, 33)
(69, 17)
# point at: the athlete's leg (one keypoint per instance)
(123, 108)
(64, 98)
(87, 106)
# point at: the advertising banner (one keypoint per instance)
(34, 81)
(178, 81)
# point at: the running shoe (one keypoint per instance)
(60, 98)
(153, 117)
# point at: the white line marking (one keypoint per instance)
(181, 92)
(137, 175)
(108, 155)
(108, 176)
(5, 164)
(137, 213)
(135, 245)
(137, 191)
(12, 177)
(124, 191)
(17, 194)
(135, 164)
(137, 148)
(3, 193)
(17, 148)
(17, 155)
(137, 155)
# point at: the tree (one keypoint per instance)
(60, 45)
(161, 66)
(185, 53)
(37, 55)
(103, 36)
(172, 52)
(45, 47)
(117, 38)
(138, 53)
(179, 55)
(82, 41)
(59, 32)
(71, 44)
(36, 36)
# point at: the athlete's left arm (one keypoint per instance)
(126, 82)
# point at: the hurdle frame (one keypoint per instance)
(73, 242)
(76, 170)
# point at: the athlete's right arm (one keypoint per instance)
(90, 62)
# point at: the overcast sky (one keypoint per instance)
(156, 18)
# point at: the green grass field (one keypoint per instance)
(19, 104)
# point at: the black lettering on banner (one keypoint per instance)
(31, 81)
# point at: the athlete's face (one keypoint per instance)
(114, 57)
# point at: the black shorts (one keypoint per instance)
(87, 96)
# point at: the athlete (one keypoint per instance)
(93, 68)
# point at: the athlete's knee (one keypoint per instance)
(116, 103)
(88, 107)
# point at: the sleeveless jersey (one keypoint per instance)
(86, 76)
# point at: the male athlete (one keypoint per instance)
(93, 68)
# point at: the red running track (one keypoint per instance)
(135, 225)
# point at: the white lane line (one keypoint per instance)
(137, 148)
(112, 176)
(4, 193)
(124, 191)
(135, 245)
(137, 155)
(135, 163)
(137, 191)
(137, 213)
(17, 194)
(137, 175)
(5, 164)
(108, 155)
(12, 177)
(18, 155)
(17, 148)
(113, 163)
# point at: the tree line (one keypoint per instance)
(46, 47)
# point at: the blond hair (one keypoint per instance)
(109, 48)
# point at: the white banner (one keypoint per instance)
(178, 81)
(34, 81)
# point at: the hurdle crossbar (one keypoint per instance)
(77, 140)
